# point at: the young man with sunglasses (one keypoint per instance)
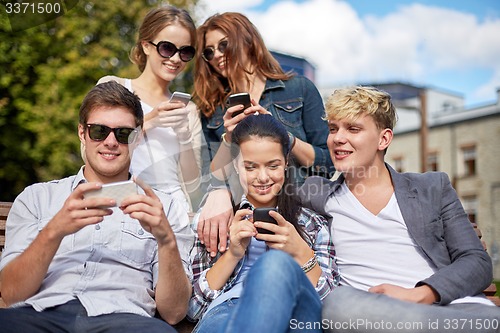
(76, 263)
(409, 258)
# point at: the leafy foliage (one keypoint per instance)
(45, 72)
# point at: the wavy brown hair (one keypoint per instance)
(210, 88)
(155, 21)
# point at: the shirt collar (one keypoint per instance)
(80, 178)
(274, 84)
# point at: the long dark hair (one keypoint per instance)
(266, 126)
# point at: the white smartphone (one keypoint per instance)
(178, 96)
(117, 191)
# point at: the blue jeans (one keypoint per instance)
(347, 309)
(72, 317)
(277, 297)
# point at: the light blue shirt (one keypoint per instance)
(256, 248)
(110, 267)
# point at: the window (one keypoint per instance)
(398, 164)
(469, 154)
(432, 161)
(470, 207)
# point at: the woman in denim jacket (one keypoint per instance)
(232, 58)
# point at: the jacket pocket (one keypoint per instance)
(290, 112)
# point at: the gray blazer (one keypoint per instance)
(437, 223)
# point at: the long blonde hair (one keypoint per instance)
(155, 21)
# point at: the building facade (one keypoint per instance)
(463, 142)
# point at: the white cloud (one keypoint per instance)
(411, 44)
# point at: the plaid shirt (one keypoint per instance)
(316, 227)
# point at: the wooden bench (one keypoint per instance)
(186, 326)
(4, 211)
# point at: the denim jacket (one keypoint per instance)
(297, 104)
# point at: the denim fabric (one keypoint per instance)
(297, 104)
(72, 317)
(350, 310)
(277, 297)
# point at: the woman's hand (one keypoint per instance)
(230, 122)
(241, 231)
(285, 238)
(170, 114)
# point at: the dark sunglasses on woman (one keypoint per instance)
(209, 52)
(124, 135)
(168, 50)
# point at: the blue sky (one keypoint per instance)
(451, 45)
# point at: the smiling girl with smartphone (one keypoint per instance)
(264, 280)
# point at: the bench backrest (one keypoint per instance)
(4, 211)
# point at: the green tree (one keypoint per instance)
(45, 72)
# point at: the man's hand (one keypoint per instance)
(214, 221)
(24, 275)
(422, 294)
(78, 212)
(148, 210)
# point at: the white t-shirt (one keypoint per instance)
(375, 249)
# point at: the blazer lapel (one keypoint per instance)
(407, 197)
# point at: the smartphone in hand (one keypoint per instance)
(178, 96)
(117, 191)
(237, 99)
(262, 214)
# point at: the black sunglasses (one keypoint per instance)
(168, 50)
(124, 135)
(209, 52)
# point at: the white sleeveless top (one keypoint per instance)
(156, 158)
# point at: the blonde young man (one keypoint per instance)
(408, 256)
(77, 264)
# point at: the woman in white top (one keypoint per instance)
(168, 157)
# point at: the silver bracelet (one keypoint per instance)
(309, 265)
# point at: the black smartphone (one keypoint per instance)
(240, 98)
(262, 214)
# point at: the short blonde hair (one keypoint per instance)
(353, 102)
